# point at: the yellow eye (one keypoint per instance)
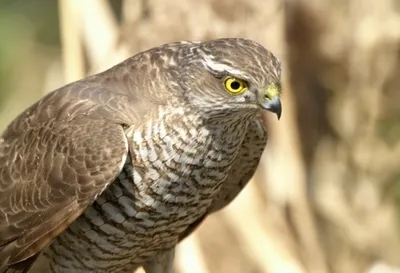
(235, 86)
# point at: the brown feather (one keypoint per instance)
(60, 154)
(22, 267)
(55, 158)
(243, 169)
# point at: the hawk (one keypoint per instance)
(110, 172)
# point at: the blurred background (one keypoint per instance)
(326, 196)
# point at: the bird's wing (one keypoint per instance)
(55, 159)
(22, 267)
(242, 171)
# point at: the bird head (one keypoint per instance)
(231, 76)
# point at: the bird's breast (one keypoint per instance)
(180, 165)
(171, 176)
(177, 167)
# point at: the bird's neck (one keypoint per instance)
(198, 152)
(169, 125)
(219, 121)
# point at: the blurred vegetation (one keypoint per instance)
(29, 41)
(29, 47)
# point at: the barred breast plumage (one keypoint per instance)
(170, 178)
(108, 173)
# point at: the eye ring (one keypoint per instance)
(235, 86)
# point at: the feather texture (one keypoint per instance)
(108, 173)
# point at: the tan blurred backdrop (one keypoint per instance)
(326, 197)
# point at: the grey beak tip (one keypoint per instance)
(275, 106)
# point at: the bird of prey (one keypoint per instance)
(110, 172)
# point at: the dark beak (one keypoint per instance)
(273, 105)
(270, 101)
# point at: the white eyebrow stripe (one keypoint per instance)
(220, 67)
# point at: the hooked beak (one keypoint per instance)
(270, 101)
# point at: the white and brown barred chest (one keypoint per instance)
(170, 178)
(177, 170)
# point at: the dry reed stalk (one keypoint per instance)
(71, 40)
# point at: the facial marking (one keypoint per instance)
(220, 67)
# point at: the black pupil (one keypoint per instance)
(235, 85)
